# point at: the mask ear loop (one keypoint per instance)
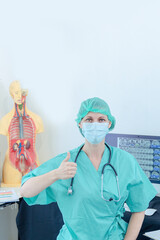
(70, 189)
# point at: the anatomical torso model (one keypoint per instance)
(20, 126)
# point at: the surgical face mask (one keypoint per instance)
(95, 132)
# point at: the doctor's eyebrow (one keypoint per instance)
(104, 117)
(88, 117)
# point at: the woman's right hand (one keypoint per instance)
(35, 185)
(67, 169)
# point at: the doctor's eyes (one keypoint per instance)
(92, 120)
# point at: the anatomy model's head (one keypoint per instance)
(17, 93)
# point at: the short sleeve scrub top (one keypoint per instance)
(86, 215)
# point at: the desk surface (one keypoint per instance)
(154, 235)
(16, 189)
(9, 196)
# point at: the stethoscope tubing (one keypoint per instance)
(71, 184)
(70, 189)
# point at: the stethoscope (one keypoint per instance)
(70, 189)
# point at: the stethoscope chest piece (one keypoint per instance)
(70, 190)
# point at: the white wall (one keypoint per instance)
(67, 51)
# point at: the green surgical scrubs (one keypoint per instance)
(86, 215)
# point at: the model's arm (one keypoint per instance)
(35, 185)
(134, 225)
(4, 124)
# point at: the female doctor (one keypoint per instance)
(92, 182)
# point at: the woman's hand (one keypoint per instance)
(35, 185)
(66, 169)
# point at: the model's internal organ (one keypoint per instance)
(22, 141)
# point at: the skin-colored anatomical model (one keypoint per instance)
(20, 126)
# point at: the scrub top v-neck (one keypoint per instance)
(104, 160)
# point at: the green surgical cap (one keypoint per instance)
(95, 105)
